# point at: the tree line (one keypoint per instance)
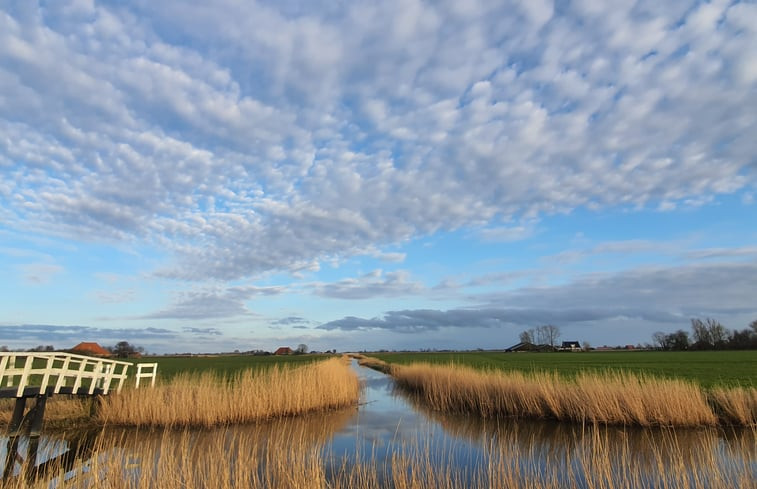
(546, 334)
(707, 334)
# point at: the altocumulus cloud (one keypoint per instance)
(370, 285)
(274, 138)
(213, 303)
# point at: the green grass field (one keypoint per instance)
(708, 368)
(222, 364)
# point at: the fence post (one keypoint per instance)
(25, 375)
(62, 375)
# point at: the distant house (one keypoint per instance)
(570, 346)
(284, 350)
(523, 346)
(91, 349)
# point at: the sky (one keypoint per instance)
(394, 174)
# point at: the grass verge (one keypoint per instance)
(710, 369)
(617, 398)
(209, 398)
(248, 396)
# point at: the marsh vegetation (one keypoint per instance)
(395, 438)
(605, 398)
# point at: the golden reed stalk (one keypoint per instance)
(60, 412)
(618, 398)
(287, 455)
(210, 400)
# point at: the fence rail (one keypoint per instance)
(146, 371)
(23, 374)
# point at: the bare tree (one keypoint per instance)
(719, 333)
(301, 348)
(527, 336)
(700, 333)
(709, 333)
(660, 340)
(553, 334)
(547, 334)
(124, 349)
(539, 336)
(678, 340)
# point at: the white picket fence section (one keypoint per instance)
(42, 369)
(150, 373)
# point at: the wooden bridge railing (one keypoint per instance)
(146, 371)
(39, 375)
(54, 373)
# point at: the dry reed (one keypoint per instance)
(620, 398)
(373, 363)
(60, 411)
(249, 396)
(288, 455)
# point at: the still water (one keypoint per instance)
(389, 424)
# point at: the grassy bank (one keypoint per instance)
(208, 399)
(61, 413)
(287, 455)
(271, 390)
(616, 398)
(707, 368)
(226, 365)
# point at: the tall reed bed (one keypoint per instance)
(288, 455)
(60, 411)
(208, 400)
(610, 398)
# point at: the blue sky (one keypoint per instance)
(364, 175)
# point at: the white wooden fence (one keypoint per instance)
(151, 373)
(61, 371)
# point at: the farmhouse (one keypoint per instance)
(91, 349)
(284, 350)
(570, 346)
(523, 346)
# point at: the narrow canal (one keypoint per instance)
(389, 424)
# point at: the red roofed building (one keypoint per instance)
(284, 350)
(91, 349)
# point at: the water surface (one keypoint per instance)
(388, 422)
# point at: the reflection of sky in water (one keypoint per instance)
(381, 420)
(387, 423)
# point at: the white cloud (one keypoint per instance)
(246, 138)
(213, 303)
(375, 284)
(116, 296)
(508, 234)
(628, 304)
